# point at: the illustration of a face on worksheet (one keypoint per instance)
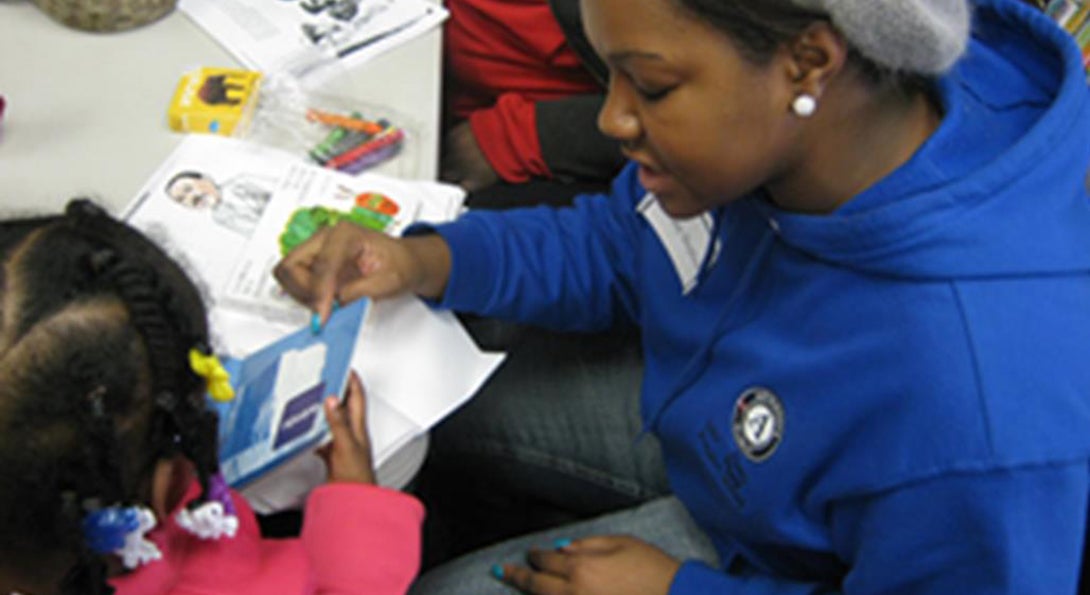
(229, 209)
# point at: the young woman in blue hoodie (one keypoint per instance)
(856, 237)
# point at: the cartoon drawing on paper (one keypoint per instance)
(372, 210)
(236, 204)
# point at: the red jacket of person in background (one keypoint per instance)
(511, 65)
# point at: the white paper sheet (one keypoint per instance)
(312, 39)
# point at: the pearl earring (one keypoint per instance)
(804, 105)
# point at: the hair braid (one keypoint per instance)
(95, 385)
(70, 412)
(173, 383)
(88, 575)
(168, 338)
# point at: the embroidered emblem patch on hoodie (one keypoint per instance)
(758, 423)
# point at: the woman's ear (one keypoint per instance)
(815, 57)
(169, 482)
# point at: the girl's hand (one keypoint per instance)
(595, 566)
(348, 455)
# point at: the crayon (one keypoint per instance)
(328, 146)
(370, 159)
(389, 137)
(349, 141)
(344, 121)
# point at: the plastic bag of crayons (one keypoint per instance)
(332, 131)
(275, 110)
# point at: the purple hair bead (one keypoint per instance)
(219, 492)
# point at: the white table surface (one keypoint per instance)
(86, 112)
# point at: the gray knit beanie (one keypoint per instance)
(916, 36)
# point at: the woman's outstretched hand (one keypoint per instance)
(348, 455)
(346, 261)
(595, 566)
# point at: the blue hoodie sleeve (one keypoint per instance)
(1004, 532)
(696, 577)
(566, 269)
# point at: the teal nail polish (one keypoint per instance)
(497, 571)
(561, 543)
(315, 324)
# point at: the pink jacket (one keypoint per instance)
(356, 538)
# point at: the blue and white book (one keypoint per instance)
(277, 410)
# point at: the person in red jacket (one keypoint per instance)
(522, 96)
(109, 477)
(524, 88)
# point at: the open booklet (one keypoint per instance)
(227, 209)
(311, 38)
(277, 410)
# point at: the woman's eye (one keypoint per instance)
(654, 94)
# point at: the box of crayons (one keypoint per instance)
(214, 100)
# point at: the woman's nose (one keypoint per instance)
(616, 119)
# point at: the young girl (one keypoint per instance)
(856, 237)
(108, 453)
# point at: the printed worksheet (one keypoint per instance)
(230, 209)
(309, 38)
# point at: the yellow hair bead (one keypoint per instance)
(217, 378)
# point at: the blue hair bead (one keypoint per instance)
(105, 529)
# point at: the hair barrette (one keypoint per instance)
(122, 531)
(213, 519)
(218, 381)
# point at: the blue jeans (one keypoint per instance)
(663, 522)
(550, 440)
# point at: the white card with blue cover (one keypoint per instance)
(277, 410)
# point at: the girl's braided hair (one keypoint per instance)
(96, 324)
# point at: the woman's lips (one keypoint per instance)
(653, 180)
